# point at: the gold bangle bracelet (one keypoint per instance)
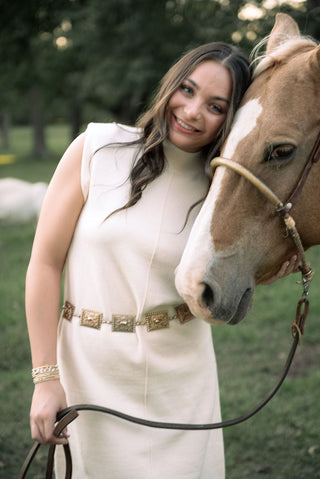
(45, 373)
(41, 378)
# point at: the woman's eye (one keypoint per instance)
(216, 108)
(280, 153)
(186, 89)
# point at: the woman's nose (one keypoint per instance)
(193, 109)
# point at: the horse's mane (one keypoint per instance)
(286, 49)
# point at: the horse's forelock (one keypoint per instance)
(284, 51)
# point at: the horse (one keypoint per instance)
(238, 239)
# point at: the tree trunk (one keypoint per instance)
(5, 129)
(76, 120)
(38, 123)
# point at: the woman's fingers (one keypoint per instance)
(292, 265)
(48, 399)
(288, 267)
(36, 432)
(42, 430)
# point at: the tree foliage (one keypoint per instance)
(98, 60)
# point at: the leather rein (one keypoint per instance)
(66, 416)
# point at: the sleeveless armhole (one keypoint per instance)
(97, 136)
(86, 162)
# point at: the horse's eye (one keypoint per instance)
(280, 153)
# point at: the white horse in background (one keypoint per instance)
(20, 201)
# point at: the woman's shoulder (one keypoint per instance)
(104, 133)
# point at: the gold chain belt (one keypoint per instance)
(126, 322)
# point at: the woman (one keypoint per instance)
(116, 217)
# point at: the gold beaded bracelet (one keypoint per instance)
(45, 373)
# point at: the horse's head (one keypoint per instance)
(238, 239)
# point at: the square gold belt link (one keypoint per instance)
(157, 320)
(92, 319)
(183, 313)
(125, 322)
(68, 310)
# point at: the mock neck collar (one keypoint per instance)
(179, 158)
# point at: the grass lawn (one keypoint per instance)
(281, 442)
(18, 161)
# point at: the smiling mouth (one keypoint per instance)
(185, 125)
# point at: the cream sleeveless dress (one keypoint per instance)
(125, 266)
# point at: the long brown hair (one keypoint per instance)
(153, 122)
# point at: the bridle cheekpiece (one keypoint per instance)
(283, 210)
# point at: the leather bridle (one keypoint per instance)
(281, 208)
(66, 416)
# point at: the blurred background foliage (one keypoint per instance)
(75, 61)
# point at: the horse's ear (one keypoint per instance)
(315, 60)
(284, 28)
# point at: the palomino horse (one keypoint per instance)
(238, 239)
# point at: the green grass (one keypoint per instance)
(25, 166)
(281, 442)
(21, 139)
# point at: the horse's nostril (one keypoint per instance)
(207, 295)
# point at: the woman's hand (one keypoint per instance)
(288, 267)
(48, 398)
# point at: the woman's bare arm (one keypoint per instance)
(59, 214)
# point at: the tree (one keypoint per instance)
(26, 55)
(101, 60)
(128, 46)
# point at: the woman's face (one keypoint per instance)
(198, 108)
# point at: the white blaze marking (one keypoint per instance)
(199, 249)
(199, 246)
(244, 122)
